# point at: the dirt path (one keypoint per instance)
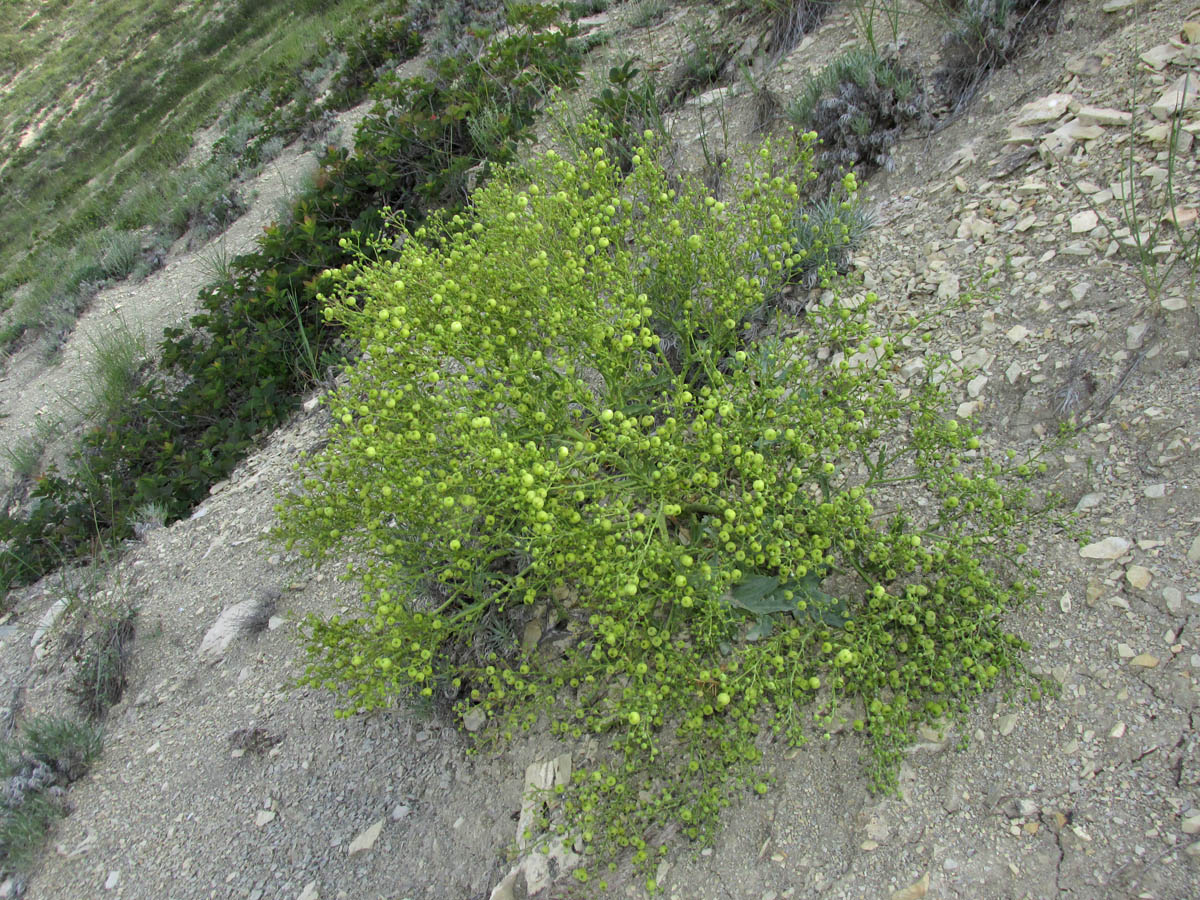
(1093, 792)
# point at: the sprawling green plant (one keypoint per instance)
(573, 491)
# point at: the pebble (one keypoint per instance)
(1145, 661)
(1139, 577)
(1044, 109)
(1193, 553)
(1089, 501)
(1016, 334)
(1173, 597)
(1109, 548)
(366, 840)
(309, 892)
(1007, 723)
(1155, 491)
(399, 811)
(1191, 825)
(1125, 651)
(976, 385)
(1118, 730)
(914, 891)
(264, 817)
(113, 879)
(1083, 222)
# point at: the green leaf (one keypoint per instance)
(762, 595)
(761, 629)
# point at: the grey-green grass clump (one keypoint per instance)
(695, 521)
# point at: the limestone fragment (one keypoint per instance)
(1109, 548)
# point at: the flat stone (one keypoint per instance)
(1155, 491)
(914, 891)
(48, 620)
(1116, 6)
(1145, 661)
(1089, 501)
(1190, 32)
(1160, 57)
(1083, 222)
(1044, 109)
(113, 879)
(264, 817)
(227, 627)
(1125, 651)
(1118, 731)
(1099, 115)
(366, 840)
(976, 385)
(1109, 548)
(1193, 553)
(1016, 334)
(1139, 577)
(1006, 723)
(310, 892)
(1182, 95)
(1191, 825)
(474, 718)
(1173, 597)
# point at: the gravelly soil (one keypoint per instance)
(1092, 793)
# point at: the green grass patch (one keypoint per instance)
(48, 755)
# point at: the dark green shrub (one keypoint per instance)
(253, 348)
(573, 491)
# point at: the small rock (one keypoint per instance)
(1191, 825)
(1144, 661)
(914, 891)
(868, 846)
(474, 718)
(1139, 577)
(1045, 109)
(1182, 95)
(228, 626)
(976, 385)
(1118, 731)
(1116, 6)
(1097, 115)
(1173, 597)
(1160, 57)
(1135, 334)
(1016, 334)
(1089, 501)
(309, 892)
(1083, 222)
(1125, 651)
(949, 864)
(1193, 553)
(113, 879)
(1064, 602)
(366, 840)
(1109, 548)
(1155, 491)
(1007, 723)
(264, 817)
(1026, 808)
(1190, 32)
(399, 811)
